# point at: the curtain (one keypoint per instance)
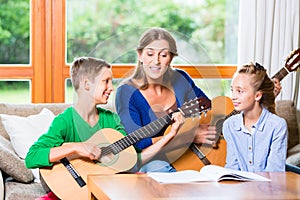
(268, 32)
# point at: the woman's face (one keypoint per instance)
(156, 58)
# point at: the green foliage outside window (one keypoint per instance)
(14, 32)
(110, 29)
(204, 29)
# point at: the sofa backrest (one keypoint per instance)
(284, 108)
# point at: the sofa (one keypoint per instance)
(18, 182)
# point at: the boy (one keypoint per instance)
(92, 81)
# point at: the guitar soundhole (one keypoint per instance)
(107, 158)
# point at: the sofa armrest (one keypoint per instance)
(1, 186)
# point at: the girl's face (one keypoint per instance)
(243, 94)
(102, 86)
(156, 59)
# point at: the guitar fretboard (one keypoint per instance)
(149, 130)
(281, 74)
(197, 105)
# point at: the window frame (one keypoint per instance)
(48, 69)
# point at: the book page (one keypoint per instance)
(184, 176)
(220, 173)
(207, 173)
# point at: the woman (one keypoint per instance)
(154, 90)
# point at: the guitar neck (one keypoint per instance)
(281, 74)
(149, 130)
(234, 112)
(194, 106)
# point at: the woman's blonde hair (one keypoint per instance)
(260, 82)
(86, 66)
(148, 37)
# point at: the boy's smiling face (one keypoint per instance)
(102, 86)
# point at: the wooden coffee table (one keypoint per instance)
(284, 185)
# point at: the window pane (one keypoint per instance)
(214, 87)
(69, 98)
(15, 91)
(14, 32)
(205, 30)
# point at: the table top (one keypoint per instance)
(283, 185)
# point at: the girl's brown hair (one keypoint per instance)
(261, 82)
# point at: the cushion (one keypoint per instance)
(287, 110)
(1, 186)
(24, 131)
(293, 156)
(25, 110)
(15, 190)
(11, 164)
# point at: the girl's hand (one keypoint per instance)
(277, 87)
(206, 134)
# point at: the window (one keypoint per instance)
(14, 32)
(205, 32)
(15, 91)
(14, 48)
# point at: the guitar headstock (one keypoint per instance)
(195, 106)
(293, 61)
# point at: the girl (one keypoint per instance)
(256, 138)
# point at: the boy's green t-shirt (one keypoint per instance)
(69, 127)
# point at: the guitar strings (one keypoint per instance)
(144, 132)
(135, 136)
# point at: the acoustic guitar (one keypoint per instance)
(67, 179)
(199, 155)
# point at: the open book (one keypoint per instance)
(207, 173)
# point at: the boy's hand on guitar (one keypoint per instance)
(206, 134)
(88, 150)
(277, 88)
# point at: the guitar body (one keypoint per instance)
(60, 181)
(190, 161)
(216, 154)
